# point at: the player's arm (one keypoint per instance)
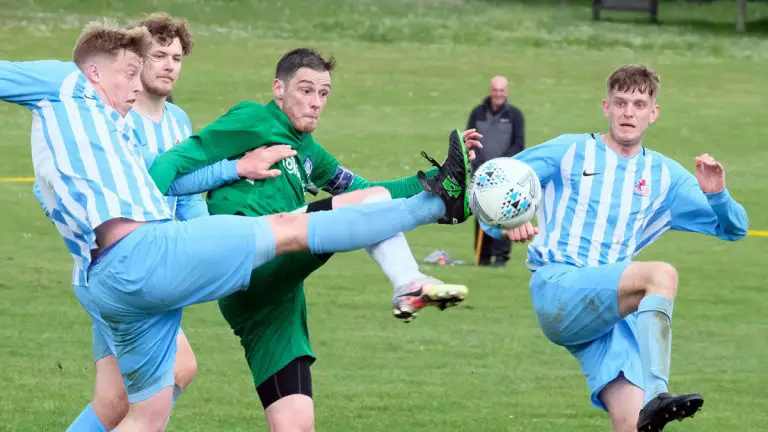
(204, 179)
(329, 175)
(703, 204)
(243, 128)
(191, 207)
(495, 232)
(27, 83)
(545, 158)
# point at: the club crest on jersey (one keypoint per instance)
(308, 166)
(642, 188)
(290, 165)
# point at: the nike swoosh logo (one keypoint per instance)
(586, 174)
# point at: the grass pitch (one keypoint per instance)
(410, 72)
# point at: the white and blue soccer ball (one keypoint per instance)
(504, 193)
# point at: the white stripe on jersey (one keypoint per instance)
(580, 212)
(606, 191)
(176, 132)
(565, 173)
(149, 132)
(625, 207)
(167, 139)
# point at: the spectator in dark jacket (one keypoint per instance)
(503, 129)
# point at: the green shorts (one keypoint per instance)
(270, 318)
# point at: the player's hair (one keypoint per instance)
(299, 58)
(107, 38)
(165, 28)
(634, 77)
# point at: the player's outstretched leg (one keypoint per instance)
(412, 290)
(650, 289)
(444, 201)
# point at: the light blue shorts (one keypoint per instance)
(101, 347)
(578, 308)
(138, 288)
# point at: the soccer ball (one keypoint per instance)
(504, 193)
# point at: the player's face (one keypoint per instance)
(117, 80)
(303, 98)
(629, 114)
(162, 68)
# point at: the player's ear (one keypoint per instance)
(655, 111)
(605, 107)
(278, 89)
(93, 73)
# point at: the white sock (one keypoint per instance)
(394, 255)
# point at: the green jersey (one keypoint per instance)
(250, 125)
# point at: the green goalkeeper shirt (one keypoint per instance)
(250, 125)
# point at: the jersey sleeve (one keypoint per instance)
(191, 207)
(715, 214)
(245, 127)
(27, 83)
(39, 195)
(201, 180)
(494, 232)
(321, 167)
(545, 158)
(405, 187)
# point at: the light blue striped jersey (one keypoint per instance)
(155, 138)
(84, 155)
(598, 207)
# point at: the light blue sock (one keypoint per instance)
(87, 421)
(654, 334)
(355, 227)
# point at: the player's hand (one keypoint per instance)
(256, 164)
(523, 233)
(710, 174)
(472, 141)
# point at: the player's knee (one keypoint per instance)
(624, 425)
(289, 231)
(297, 422)
(292, 413)
(151, 417)
(110, 406)
(185, 370)
(662, 280)
(379, 192)
(374, 194)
